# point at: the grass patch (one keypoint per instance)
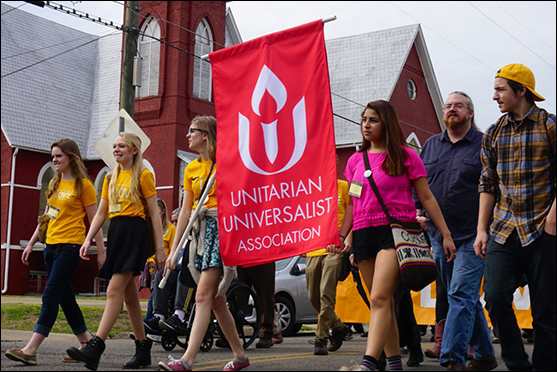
(24, 317)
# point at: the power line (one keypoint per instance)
(54, 56)
(518, 21)
(442, 37)
(46, 47)
(6, 12)
(173, 24)
(83, 15)
(520, 42)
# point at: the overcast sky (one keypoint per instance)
(468, 41)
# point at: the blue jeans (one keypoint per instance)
(62, 261)
(466, 322)
(504, 266)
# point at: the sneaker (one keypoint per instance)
(349, 335)
(171, 324)
(353, 368)
(173, 365)
(235, 366)
(320, 347)
(69, 359)
(338, 337)
(482, 365)
(152, 325)
(264, 343)
(154, 338)
(19, 356)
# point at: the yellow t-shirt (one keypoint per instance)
(68, 226)
(168, 239)
(195, 176)
(124, 206)
(342, 203)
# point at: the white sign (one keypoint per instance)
(103, 146)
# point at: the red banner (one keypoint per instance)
(276, 164)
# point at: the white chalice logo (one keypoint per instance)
(269, 82)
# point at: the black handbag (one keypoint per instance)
(412, 245)
(346, 267)
(185, 275)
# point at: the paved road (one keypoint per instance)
(294, 354)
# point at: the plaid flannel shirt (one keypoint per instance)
(518, 159)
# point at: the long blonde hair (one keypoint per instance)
(70, 148)
(164, 218)
(133, 142)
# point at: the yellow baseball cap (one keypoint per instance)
(521, 74)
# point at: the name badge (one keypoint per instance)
(115, 208)
(53, 212)
(355, 189)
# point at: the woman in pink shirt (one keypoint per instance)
(396, 170)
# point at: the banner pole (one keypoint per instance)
(184, 237)
(324, 20)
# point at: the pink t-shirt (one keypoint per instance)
(396, 191)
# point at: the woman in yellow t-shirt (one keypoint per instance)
(127, 247)
(71, 197)
(202, 138)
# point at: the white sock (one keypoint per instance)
(181, 314)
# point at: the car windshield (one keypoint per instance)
(281, 264)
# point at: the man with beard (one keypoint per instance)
(453, 165)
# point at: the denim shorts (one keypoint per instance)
(367, 242)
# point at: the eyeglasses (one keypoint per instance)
(456, 106)
(191, 130)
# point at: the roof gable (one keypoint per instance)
(48, 74)
(365, 68)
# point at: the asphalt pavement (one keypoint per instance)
(294, 354)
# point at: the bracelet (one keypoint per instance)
(343, 237)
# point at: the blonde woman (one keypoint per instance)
(127, 248)
(211, 290)
(71, 196)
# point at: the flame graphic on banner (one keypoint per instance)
(269, 82)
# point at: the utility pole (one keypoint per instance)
(131, 27)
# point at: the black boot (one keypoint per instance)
(416, 356)
(90, 354)
(142, 357)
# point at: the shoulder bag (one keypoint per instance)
(185, 275)
(412, 245)
(43, 225)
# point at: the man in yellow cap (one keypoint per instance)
(517, 201)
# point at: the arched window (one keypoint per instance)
(201, 68)
(414, 143)
(412, 90)
(149, 51)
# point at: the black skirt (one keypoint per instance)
(127, 246)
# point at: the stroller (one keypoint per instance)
(244, 306)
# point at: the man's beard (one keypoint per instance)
(455, 121)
